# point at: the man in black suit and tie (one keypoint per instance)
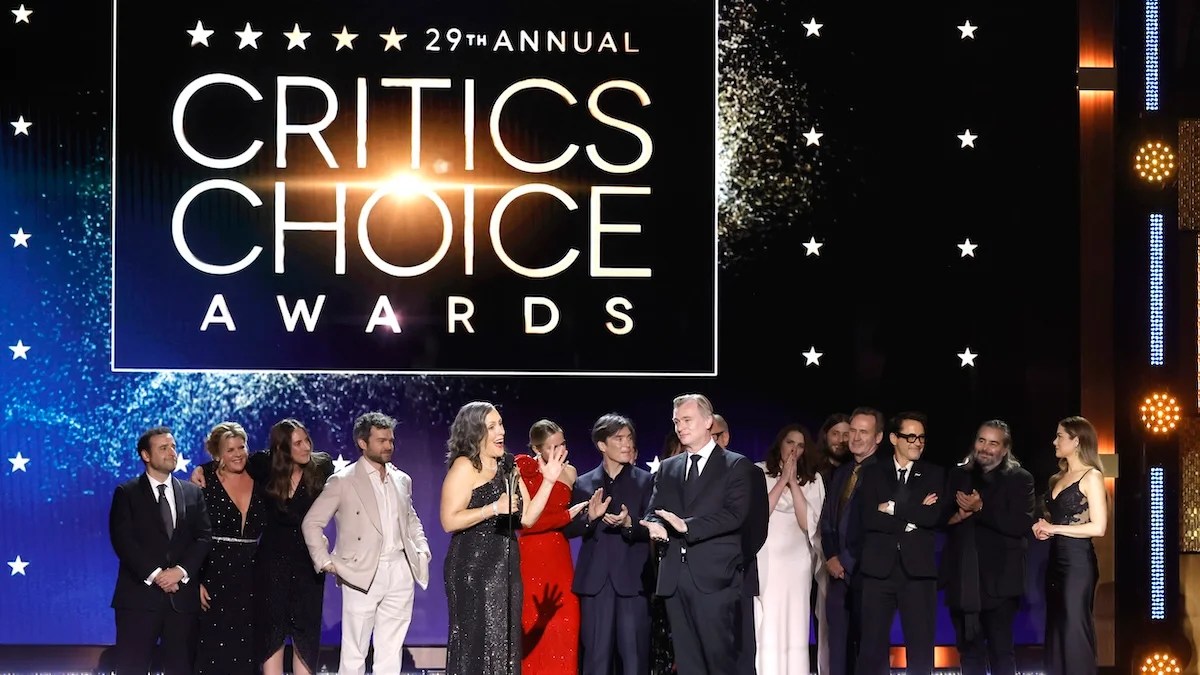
(702, 500)
(899, 509)
(160, 531)
(612, 573)
(983, 566)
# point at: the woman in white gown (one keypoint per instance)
(790, 556)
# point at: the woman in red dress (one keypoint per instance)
(550, 614)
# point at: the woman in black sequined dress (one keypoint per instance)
(238, 513)
(1078, 506)
(482, 571)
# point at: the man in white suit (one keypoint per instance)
(380, 548)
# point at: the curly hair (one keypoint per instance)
(468, 432)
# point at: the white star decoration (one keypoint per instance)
(812, 247)
(968, 359)
(340, 463)
(296, 38)
(181, 463)
(248, 37)
(968, 31)
(812, 357)
(21, 127)
(18, 463)
(812, 137)
(200, 34)
(392, 39)
(344, 39)
(812, 27)
(967, 138)
(18, 567)
(653, 464)
(22, 14)
(967, 248)
(19, 350)
(20, 238)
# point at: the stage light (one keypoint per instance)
(1155, 162)
(1161, 663)
(1157, 285)
(1160, 413)
(1158, 563)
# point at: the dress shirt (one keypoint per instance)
(389, 508)
(891, 506)
(170, 494)
(704, 452)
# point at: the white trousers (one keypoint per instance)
(385, 609)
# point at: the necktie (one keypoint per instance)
(902, 472)
(848, 491)
(693, 468)
(164, 511)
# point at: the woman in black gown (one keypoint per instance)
(237, 512)
(482, 570)
(1078, 506)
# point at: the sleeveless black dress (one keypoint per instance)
(484, 594)
(1071, 576)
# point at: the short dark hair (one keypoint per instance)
(870, 412)
(913, 415)
(143, 443)
(608, 425)
(372, 420)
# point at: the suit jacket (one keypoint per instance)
(754, 534)
(1000, 530)
(885, 541)
(349, 498)
(841, 534)
(626, 566)
(716, 510)
(141, 544)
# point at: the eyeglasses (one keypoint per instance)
(912, 438)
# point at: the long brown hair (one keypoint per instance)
(279, 483)
(806, 464)
(1082, 430)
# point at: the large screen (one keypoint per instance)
(235, 211)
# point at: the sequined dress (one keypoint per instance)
(484, 640)
(226, 638)
(550, 618)
(1071, 576)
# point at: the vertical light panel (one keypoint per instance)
(1151, 55)
(1158, 580)
(1156, 289)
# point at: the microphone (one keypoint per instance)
(506, 465)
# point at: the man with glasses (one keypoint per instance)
(899, 509)
(720, 431)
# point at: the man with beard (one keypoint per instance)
(841, 540)
(983, 568)
(833, 445)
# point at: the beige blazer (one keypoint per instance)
(349, 499)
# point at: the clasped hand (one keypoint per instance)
(658, 532)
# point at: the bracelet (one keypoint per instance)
(495, 511)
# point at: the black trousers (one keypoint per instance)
(843, 618)
(916, 598)
(611, 626)
(993, 643)
(706, 628)
(140, 630)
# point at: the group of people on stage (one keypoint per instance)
(712, 564)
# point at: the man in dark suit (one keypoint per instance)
(612, 573)
(841, 540)
(899, 509)
(983, 566)
(160, 531)
(701, 502)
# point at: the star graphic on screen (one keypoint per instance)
(967, 138)
(812, 137)
(967, 248)
(18, 567)
(345, 39)
(392, 39)
(812, 27)
(181, 463)
(812, 357)
(968, 31)
(812, 247)
(200, 34)
(21, 127)
(248, 37)
(18, 463)
(22, 14)
(653, 464)
(19, 350)
(967, 358)
(20, 238)
(296, 38)
(340, 463)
